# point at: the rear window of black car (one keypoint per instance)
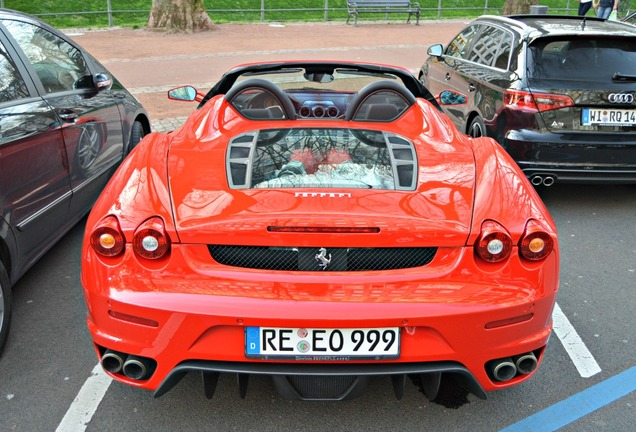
(581, 58)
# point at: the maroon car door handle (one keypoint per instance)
(67, 115)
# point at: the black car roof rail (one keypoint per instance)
(509, 19)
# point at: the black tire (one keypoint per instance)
(477, 128)
(136, 135)
(5, 306)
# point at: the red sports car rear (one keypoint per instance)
(320, 236)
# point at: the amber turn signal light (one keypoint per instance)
(107, 238)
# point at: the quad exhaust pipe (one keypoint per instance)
(525, 363)
(507, 368)
(137, 368)
(113, 361)
(132, 366)
(541, 179)
(503, 369)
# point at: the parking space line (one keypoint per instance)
(578, 405)
(86, 403)
(574, 345)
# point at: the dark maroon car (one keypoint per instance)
(65, 125)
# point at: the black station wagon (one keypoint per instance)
(557, 92)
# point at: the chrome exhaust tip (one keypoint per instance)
(548, 181)
(113, 361)
(537, 180)
(135, 368)
(503, 369)
(525, 363)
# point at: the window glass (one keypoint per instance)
(459, 46)
(321, 158)
(502, 57)
(492, 48)
(582, 58)
(484, 49)
(59, 65)
(12, 86)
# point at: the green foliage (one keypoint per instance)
(134, 13)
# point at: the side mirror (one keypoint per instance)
(450, 97)
(185, 93)
(435, 50)
(102, 81)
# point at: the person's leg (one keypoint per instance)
(584, 7)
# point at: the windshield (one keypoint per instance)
(335, 80)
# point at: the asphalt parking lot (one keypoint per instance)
(48, 375)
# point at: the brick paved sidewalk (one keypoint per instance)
(149, 63)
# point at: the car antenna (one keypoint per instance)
(583, 23)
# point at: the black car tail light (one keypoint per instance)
(151, 240)
(536, 243)
(535, 102)
(107, 238)
(494, 243)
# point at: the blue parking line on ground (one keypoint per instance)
(578, 405)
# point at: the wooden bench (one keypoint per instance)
(354, 8)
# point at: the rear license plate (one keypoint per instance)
(608, 117)
(322, 344)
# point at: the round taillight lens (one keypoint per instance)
(494, 243)
(107, 239)
(536, 243)
(150, 240)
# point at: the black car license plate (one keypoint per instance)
(608, 117)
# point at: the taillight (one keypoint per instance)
(494, 243)
(107, 239)
(536, 243)
(150, 240)
(535, 102)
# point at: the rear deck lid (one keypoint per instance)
(324, 186)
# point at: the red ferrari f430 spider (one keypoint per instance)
(320, 222)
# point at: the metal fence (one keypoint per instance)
(429, 10)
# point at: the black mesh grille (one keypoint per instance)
(321, 387)
(238, 172)
(403, 154)
(321, 259)
(239, 152)
(405, 175)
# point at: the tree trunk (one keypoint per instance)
(517, 7)
(179, 16)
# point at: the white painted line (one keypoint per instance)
(85, 404)
(574, 345)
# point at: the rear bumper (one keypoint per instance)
(574, 158)
(189, 316)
